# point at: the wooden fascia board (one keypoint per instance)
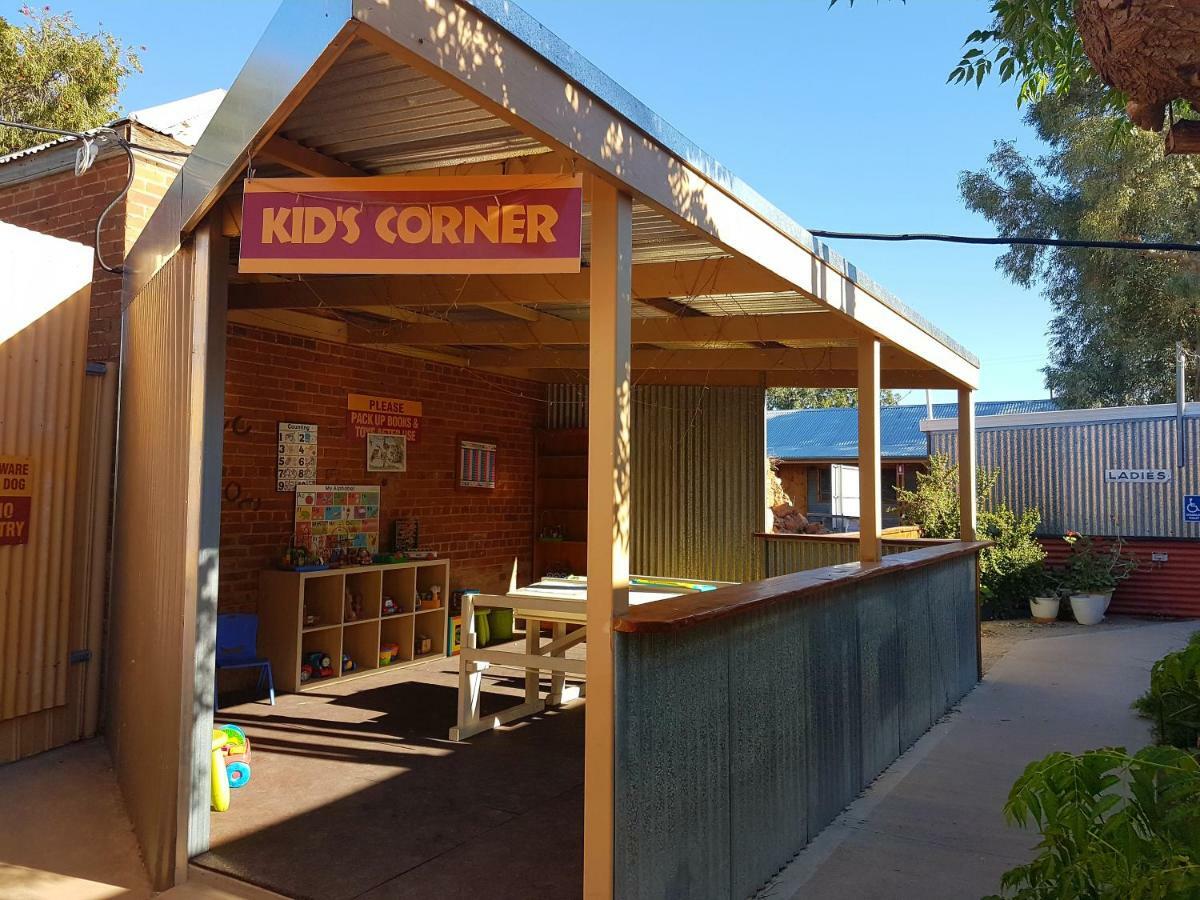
(461, 48)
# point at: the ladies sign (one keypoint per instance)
(415, 225)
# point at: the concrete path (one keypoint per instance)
(931, 827)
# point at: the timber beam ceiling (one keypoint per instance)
(762, 360)
(696, 330)
(814, 378)
(650, 281)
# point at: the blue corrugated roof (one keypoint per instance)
(833, 433)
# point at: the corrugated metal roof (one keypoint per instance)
(184, 120)
(797, 434)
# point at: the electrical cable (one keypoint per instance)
(1018, 241)
(128, 147)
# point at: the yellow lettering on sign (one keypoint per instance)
(349, 217)
(446, 222)
(481, 221)
(512, 223)
(405, 221)
(542, 219)
(319, 224)
(274, 225)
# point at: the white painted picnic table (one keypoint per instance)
(561, 602)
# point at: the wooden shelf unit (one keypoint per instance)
(560, 500)
(285, 640)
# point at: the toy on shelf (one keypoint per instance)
(347, 663)
(388, 652)
(424, 644)
(430, 599)
(299, 559)
(435, 595)
(318, 663)
(236, 753)
(365, 557)
(389, 606)
(354, 606)
(310, 618)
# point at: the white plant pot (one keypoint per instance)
(1107, 600)
(1089, 608)
(1043, 609)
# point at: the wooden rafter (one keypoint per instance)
(769, 359)
(698, 330)
(306, 161)
(650, 280)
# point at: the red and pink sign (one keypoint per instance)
(414, 225)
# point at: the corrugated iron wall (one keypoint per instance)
(699, 482)
(151, 550)
(699, 476)
(1167, 586)
(738, 741)
(1060, 470)
(41, 391)
(786, 553)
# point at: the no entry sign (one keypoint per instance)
(16, 498)
(416, 225)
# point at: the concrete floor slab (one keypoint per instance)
(66, 833)
(931, 826)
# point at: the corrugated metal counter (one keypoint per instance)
(749, 716)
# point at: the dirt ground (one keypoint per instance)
(1000, 637)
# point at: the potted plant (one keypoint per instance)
(1092, 574)
(1043, 606)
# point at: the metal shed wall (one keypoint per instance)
(41, 392)
(1060, 470)
(159, 701)
(698, 482)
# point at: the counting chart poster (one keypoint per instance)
(296, 457)
(329, 516)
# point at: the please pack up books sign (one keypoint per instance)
(383, 415)
(414, 225)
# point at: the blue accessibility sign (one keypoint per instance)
(1191, 508)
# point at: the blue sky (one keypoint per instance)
(840, 117)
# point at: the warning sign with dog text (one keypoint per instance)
(16, 499)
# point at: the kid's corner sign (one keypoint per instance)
(415, 225)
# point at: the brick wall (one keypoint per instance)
(67, 206)
(274, 377)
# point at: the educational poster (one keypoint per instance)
(387, 453)
(330, 516)
(296, 460)
(476, 464)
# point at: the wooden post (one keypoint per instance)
(608, 515)
(966, 464)
(967, 510)
(870, 494)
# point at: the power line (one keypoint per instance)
(1016, 241)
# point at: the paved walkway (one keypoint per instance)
(931, 827)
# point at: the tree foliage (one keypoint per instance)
(54, 75)
(1010, 570)
(821, 398)
(1118, 314)
(1034, 43)
(1173, 701)
(1113, 826)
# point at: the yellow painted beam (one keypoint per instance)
(870, 496)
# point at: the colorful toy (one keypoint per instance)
(389, 606)
(319, 663)
(220, 777)
(387, 652)
(347, 663)
(236, 754)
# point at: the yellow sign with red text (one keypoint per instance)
(16, 499)
(384, 415)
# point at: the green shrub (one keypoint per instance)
(1114, 827)
(1173, 701)
(1011, 570)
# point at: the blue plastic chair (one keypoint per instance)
(237, 648)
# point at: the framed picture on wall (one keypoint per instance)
(387, 453)
(476, 463)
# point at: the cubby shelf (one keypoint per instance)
(285, 598)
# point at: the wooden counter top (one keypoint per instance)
(694, 609)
